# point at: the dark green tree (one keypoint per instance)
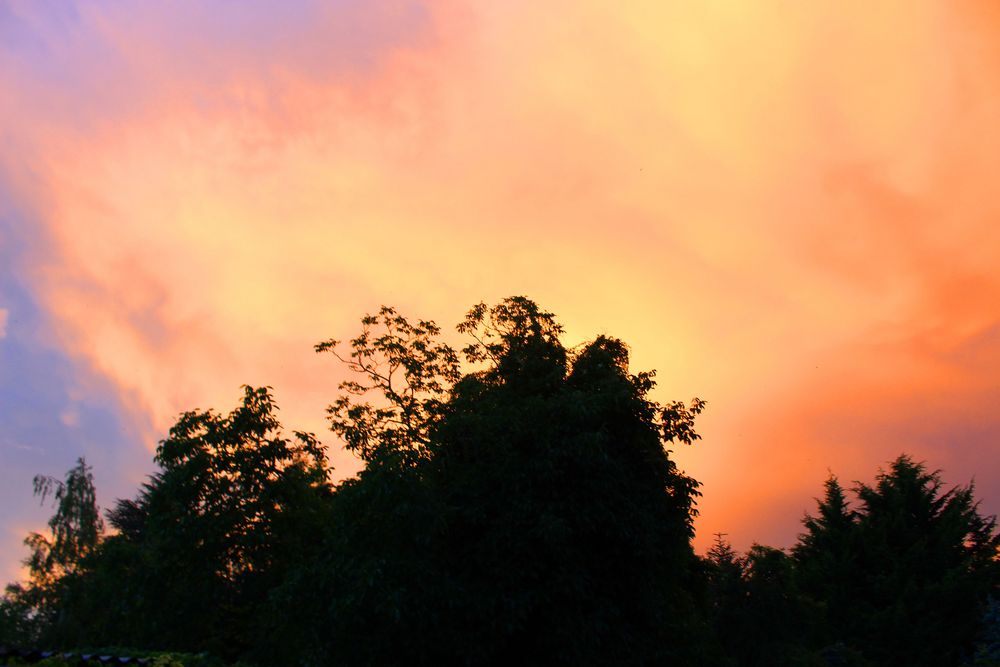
(905, 576)
(759, 615)
(28, 610)
(780, 625)
(402, 375)
(726, 595)
(527, 511)
(76, 526)
(209, 537)
(826, 553)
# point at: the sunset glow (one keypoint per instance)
(789, 210)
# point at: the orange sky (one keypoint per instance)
(788, 209)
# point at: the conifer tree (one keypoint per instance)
(905, 576)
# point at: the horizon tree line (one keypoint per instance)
(526, 511)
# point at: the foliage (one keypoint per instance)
(230, 479)
(520, 508)
(76, 529)
(410, 370)
(93, 658)
(570, 524)
(758, 611)
(987, 652)
(725, 596)
(527, 511)
(208, 537)
(16, 617)
(904, 576)
(235, 501)
(76, 525)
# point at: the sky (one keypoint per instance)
(787, 209)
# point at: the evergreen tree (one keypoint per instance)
(905, 576)
(759, 614)
(825, 556)
(726, 596)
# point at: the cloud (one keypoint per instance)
(4, 314)
(787, 211)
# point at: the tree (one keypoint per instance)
(758, 612)
(527, 510)
(234, 502)
(726, 595)
(825, 555)
(780, 625)
(76, 530)
(208, 538)
(905, 576)
(231, 478)
(409, 370)
(76, 525)
(988, 647)
(537, 515)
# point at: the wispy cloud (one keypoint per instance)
(4, 314)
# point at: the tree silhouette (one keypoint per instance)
(208, 537)
(905, 576)
(522, 507)
(76, 529)
(537, 516)
(410, 373)
(825, 555)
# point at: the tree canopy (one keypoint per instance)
(527, 508)
(518, 504)
(75, 527)
(904, 574)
